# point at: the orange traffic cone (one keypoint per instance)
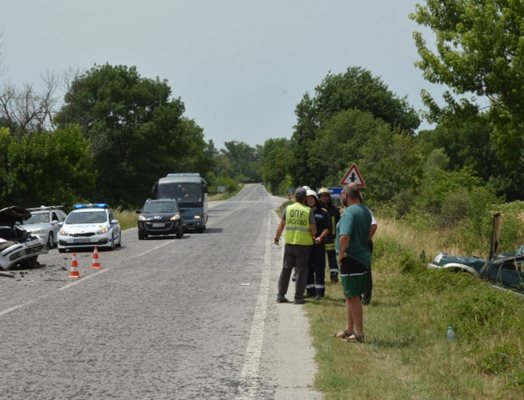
(95, 262)
(74, 273)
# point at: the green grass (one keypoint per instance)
(406, 354)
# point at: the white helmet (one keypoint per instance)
(306, 187)
(310, 192)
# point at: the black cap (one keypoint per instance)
(300, 194)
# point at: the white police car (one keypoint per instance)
(89, 225)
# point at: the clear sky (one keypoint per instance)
(239, 66)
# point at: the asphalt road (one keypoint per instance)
(165, 318)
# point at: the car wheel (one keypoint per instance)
(200, 229)
(180, 233)
(141, 236)
(119, 241)
(50, 241)
(113, 241)
(29, 262)
(61, 250)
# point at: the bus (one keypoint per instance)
(189, 189)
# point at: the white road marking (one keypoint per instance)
(249, 374)
(81, 280)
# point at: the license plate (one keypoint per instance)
(82, 240)
(158, 225)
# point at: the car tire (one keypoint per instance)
(119, 240)
(61, 250)
(180, 233)
(141, 236)
(29, 262)
(50, 241)
(112, 241)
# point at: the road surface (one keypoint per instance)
(165, 318)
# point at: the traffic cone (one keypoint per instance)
(95, 262)
(74, 273)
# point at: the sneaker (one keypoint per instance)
(299, 301)
(282, 299)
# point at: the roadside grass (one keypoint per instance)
(126, 218)
(406, 354)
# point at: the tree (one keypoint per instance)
(28, 110)
(275, 162)
(48, 168)
(480, 50)
(244, 160)
(138, 133)
(339, 143)
(356, 89)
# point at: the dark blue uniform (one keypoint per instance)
(317, 260)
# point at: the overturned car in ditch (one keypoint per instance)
(505, 269)
(17, 246)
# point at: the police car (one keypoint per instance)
(90, 225)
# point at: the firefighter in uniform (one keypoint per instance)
(315, 285)
(329, 243)
(299, 223)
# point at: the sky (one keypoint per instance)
(239, 66)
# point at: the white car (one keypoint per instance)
(45, 222)
(89, 225)
(17, 246)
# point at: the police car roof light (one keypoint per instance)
(91, 205)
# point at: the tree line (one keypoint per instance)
(116, 132)
(114, 136)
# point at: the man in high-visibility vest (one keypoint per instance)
(299, 224)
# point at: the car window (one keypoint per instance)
(160, 207)
(54, 217)
(87, 217)
(37, 218)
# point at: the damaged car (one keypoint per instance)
(505, 269)
(17, 246)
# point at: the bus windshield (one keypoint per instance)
(188, 194)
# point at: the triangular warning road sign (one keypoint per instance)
(353, 176)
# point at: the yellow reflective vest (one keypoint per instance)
(298, 227)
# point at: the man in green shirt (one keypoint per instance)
(354, 259)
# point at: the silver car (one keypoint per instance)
(45, 221)
(17, 246)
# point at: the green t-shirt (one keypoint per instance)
(355, 222)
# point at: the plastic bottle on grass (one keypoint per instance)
(450, 334)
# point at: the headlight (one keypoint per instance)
(102, 230)
(63, 232)
(198, 216)
(142, 218)
(175, 217)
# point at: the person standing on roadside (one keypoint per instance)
(315, 285)
(354, 259)
(329, 243)
(366, 295)
(299, 224)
